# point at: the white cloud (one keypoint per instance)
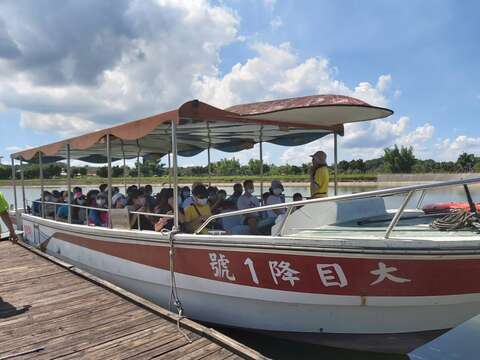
(275, 72)
(449, 149)
(135, 59)
(367, 141)
(67, 126)
(269, 4)
(275, 23)
(140, 58)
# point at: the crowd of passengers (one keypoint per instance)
(195, 205)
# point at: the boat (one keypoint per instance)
(341, 271)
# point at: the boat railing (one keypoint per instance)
(137, 213)
(409, 190)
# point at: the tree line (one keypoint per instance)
(394, 160)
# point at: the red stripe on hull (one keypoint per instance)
(304, 273)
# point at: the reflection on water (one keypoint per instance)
(280, 349)
(284, 349)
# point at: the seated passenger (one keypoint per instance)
(248, 201)
(62, 210)
(149, 199)
(274, 198)
(137, 203)
(237, 192)
(189, 200)
(184, 194)
(103, 188)
(222, 197)
(215, 198)
(99, 217)
(118, 201)
(232, 224)
(79, 215)
(64, 197)
(297, 197)
(37, 204)
(166, 206)
(50, 207)
(129, 191)
(265, 196)
(77, 192)
(92, 198)
(198, 211)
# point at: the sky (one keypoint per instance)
(69, 67)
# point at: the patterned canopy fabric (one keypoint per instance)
(288, 122)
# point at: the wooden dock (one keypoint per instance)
(49, 310)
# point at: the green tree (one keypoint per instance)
(466, 162)
(399, 160)
(226, 167)
(102, 172)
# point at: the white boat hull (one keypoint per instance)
(333, 319)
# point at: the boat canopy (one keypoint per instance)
(200, 126)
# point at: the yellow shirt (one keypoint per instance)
(3, 204)
(191, 214)
(321, 178)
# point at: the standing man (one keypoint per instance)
(319, 175)
(6, 218)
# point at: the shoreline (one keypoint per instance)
(296, 184)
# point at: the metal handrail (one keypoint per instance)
(366, 194)
(139, 213)
(169, 216)
(72, 205)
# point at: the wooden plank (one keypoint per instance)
(75, 314)
(19, 285)
(199, 353)
(71, 297)
(57, 317)
(183, 350)
(132, 344)
(54, 330)
(220, 354)
(81, 342)
(160, 349)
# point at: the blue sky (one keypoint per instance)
(418, 58)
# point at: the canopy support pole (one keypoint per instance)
(109, 174)
(208, 156)
(175, 177)
(169, 172)
(14, 184)
(139, 173)
(124, 168)
(69, 185)
(22, 179)
(209, 167)
(42, 197)
(335, 162)
(261, 164)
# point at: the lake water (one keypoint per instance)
(283, 349)
(446, 194)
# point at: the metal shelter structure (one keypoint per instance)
(196, 126)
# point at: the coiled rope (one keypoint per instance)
(456, 220)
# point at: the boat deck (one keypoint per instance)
(49, 309)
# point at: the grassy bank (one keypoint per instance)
(95, 180)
